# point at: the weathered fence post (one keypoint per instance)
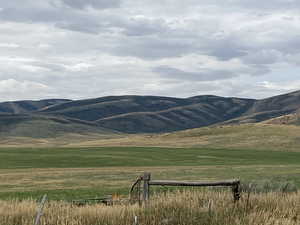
(139, 192)
(236, 191)
(40, 210)
(135, 220)
(146, 189)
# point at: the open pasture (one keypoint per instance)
(75, 173)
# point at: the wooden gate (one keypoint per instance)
(143, 184)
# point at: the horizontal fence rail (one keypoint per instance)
(193, 184)
(147, 182)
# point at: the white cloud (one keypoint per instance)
(44, 46)
(27, 89)
(9, 45)
(79, 67)
(282, 86)
(93, 48)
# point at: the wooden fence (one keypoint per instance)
(147, 183)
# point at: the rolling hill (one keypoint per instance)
(152, 114)
(269, 108)
(19, 107)
(255, 136)
(290, 119)
(137, 114)
(39, 126)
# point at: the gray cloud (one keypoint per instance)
(270, 5)
(58, 15)
(265, 5)
(98, 4)
(90, 48)
(208, 75)
(152, 47)
(54, 67)
(142, 26)
(263, 57)
(226, 51)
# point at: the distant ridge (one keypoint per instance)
(152, 114)
(142, 114)
(19, 107)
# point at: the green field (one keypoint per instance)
(75, 173)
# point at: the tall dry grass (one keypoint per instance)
(184, 208)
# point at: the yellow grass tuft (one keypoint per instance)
(179, 208)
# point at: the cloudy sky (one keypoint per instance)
(91, 48)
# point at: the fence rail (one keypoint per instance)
(146, 178)
(198, 184)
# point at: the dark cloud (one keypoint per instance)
(152, 47)
(226, 52)
(271, 5)
(31, 15)
(84, 26)
(142, 26)
(266, 5)
(97, 4)
(58, 15)
(207, 75)
(263, 57)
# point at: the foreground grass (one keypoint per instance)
(180, 208)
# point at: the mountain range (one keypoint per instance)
(137, 114)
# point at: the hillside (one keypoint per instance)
(152, 114)
(143, 114)
(19, 107)
(290, 119)
(258, 136)
(269, 108)
(284, 103)
(36, 126)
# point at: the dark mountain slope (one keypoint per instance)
(268, 108)
(36, 126)
(285, 103)
(136, 114)
(19, 107)
(144, 114)
(95, 109)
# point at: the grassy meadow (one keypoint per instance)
(88, 172)
(265, 156)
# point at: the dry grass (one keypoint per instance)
(291, 119)
(62, 140)
(245, 136)
(107, 178)
(182, 208)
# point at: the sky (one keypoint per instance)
(80, 49)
